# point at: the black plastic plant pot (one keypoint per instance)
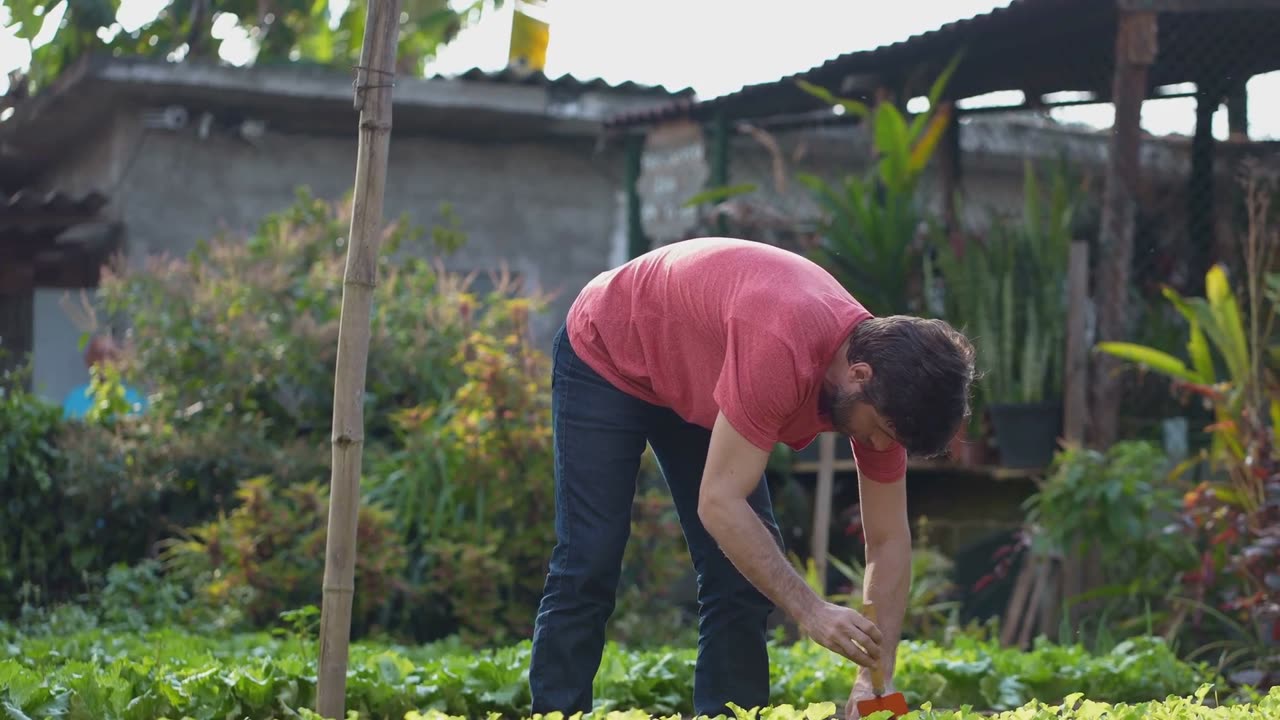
(1026, 433)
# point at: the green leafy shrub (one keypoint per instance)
(128, 598)
(470, 482)
(85, 496)
(242, 333)
(37, 544)
(267, 555)
(82, 497)
(1120, 505)
(236, 344)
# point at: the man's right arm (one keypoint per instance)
(733, 470)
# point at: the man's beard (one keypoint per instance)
(838, 404)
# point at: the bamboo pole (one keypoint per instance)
(373, 95)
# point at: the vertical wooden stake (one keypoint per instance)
(373, 85)
(1075, 405)
(822, 505)
(1075, 379)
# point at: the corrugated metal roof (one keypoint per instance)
(26, 203)
(512, 76)
(56, 237)
(1039, 46)
(1013, 17)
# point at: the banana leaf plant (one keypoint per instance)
(1215, 323)
(871, 221)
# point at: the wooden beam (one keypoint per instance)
(1200, 185)
(1076, 375)
(949, 170)
(1136, 47)
(16, 277)
(990, 472)
(822, 506)
(76, 275)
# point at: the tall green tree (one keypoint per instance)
(283, 31)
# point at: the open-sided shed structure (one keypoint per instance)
(1056, 53)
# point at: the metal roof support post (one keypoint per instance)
(1136, 49)
(17, 325)
(720, 163)
(637, 243)
(951, 172)
(1211, 90)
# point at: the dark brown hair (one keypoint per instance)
(922, 370)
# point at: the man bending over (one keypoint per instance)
(712, 351)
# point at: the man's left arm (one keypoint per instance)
(887, 581)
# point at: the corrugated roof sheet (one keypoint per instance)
(47, 232)
(25, 203)
(1008, 18)
(1040, 46)
(512, 76)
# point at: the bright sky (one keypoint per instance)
(713, 46)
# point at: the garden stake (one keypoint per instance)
(374, 79)
(895, 703)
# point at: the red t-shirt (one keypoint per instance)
(722, 325)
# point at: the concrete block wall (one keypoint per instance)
(550, 210)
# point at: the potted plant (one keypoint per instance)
(1008, 292)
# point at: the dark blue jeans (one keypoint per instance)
(600, 434)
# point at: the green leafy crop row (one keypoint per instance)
(1073, 707)
(180, 675)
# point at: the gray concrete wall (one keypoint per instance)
(992, 149)
(548, 209)
(58, 360)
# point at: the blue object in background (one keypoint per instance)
(80, 399)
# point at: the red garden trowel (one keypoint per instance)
(895, 703)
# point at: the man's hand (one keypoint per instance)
(844, 631)
(862, 691)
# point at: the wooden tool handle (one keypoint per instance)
(877, 672)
